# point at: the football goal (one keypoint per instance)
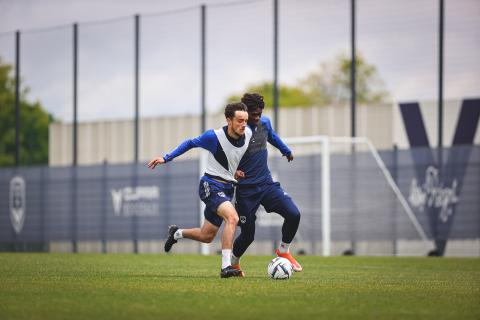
(349, 199)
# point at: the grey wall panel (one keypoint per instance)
(120, 202)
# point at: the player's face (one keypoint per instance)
(238, 122)
(254, 116)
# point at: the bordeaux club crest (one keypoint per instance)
(17, 203)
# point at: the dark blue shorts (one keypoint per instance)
(269, 194)
(213, 193)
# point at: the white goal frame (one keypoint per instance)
(325, 142)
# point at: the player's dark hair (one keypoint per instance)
(232, 107)
(253, 101)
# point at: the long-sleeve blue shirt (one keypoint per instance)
(208, 141)
(254, 161)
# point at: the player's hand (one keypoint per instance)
(239, 174)
(158, 160)
(289, 157)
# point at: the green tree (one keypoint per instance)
(330, 82)
(289, 96)
(34, 121)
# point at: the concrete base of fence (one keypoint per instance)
(463, 248)
(90, 246)
(455, 248)
(119, 246)
(61, 246)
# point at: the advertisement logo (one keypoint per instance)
(142, 201)
(433, 195)
(17, 203)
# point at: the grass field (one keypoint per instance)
(128, 286)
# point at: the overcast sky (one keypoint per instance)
(398, 37)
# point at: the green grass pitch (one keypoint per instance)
(148, 286)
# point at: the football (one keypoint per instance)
(280, 269)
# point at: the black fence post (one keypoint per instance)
(134, 214)
(43, 194)
(17, 98)
(75, 97)
(137, 86)
(136, 129)
(353, 133)
(353, 75)
(440, 73)
(203, 98)
(203, 57)
(440, 91)
(103, 228)
(75, 141)
(352, 216)
(73, 208)
(275, 66)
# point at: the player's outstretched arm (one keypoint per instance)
(277, 142)
(155, 161)
(206, 141)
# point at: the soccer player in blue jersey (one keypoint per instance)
(258, 188)
(226, 147)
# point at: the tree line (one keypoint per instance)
(34, 124)
(328, 84)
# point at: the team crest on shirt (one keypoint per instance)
(221, 194)
(243, 219)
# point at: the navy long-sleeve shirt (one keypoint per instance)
(254, 161)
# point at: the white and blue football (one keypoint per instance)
(280, 269)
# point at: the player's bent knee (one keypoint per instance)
(232, 219)
(228, 213)
(295, 214)
(209, 238)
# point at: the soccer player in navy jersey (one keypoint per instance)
(256, 186)
(226, 147)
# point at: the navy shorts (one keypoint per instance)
(213, 193)
(268, 194)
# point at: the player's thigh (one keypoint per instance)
(277, 200)
(247, 202)
(213, 195)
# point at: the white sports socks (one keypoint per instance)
(178, 234)
(235, 260)
(226, 253)
(284, 247)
